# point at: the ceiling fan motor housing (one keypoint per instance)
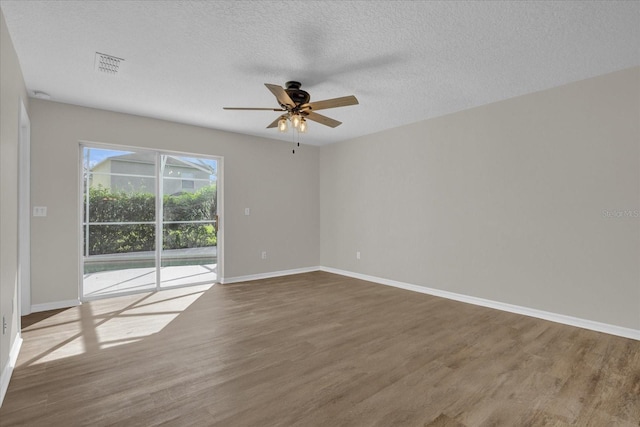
(296, 94)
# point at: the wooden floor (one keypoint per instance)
(315, 349)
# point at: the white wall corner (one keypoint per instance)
(526, 311)
(7, 371)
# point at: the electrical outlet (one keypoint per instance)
(264, 254)
(39, 211)
(4, 325)
(357, 254)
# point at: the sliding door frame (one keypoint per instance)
(158, 153)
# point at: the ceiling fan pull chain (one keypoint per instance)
(293, 139)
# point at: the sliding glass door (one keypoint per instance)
(189, 220)
(134, 240)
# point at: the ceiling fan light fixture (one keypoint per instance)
(295, 120)
(302, 128)
(282, 124)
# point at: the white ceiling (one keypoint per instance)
(404, 60)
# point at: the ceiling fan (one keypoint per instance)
(294, 102)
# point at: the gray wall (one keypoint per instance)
(503, 202)
(13, 91)
(280, 188)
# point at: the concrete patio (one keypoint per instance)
(114, 274)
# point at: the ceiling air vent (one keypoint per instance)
(108, 64)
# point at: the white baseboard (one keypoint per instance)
(532, 312)
(526, 311)
(35, 308)
(8, 369)
(227, 280)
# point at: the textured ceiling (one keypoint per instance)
(404, 61)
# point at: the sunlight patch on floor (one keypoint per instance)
(107, 323)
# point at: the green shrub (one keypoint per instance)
(106, 206)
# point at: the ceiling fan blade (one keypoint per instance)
(331, 103)
(281, 95)
(253, 109)
(274, 124)
(321, 119)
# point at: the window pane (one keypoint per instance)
(122, 186)
(189, 250)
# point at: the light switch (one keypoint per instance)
(247, 211)
(39, 211)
